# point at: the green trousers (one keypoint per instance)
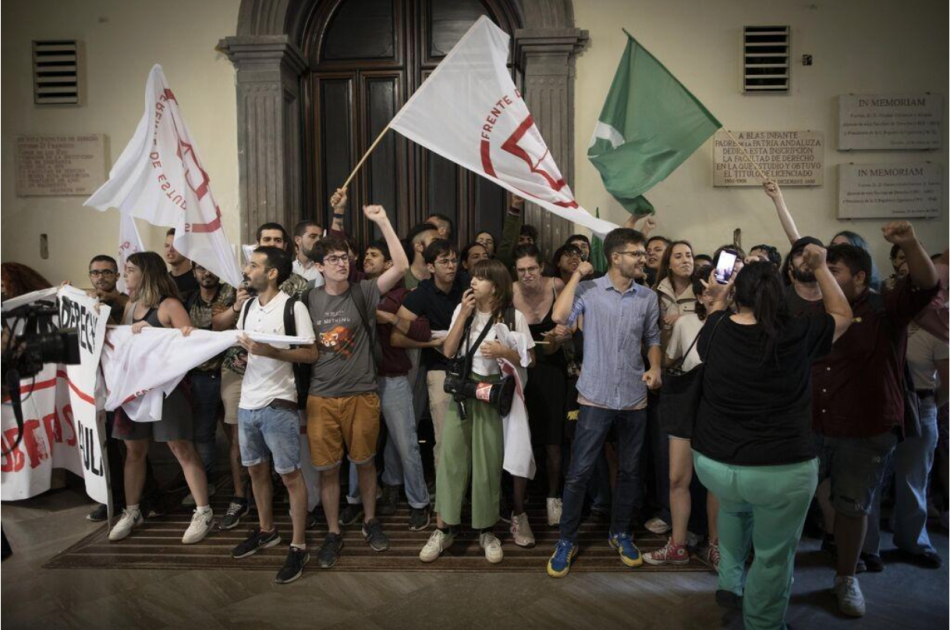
(763, 507)
(474, 448)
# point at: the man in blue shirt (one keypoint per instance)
(619, 318)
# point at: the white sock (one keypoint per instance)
(133, 508)
(204, 509)
(302, 547)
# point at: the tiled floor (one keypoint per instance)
(33, 597)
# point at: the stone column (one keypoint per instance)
(269, 134)
(546, 57)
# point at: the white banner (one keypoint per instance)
(159, 178)
(129, 243)
(469, 111)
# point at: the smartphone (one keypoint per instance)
(725, 265)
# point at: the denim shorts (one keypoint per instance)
(272, 431)
(855, 467)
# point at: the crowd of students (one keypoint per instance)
(821, 386)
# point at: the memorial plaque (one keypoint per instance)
(884, 191)
(54, 166)
(889, 122)
(791, 158)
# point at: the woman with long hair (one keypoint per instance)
(681, 349)
(473, 446)
(18, 279)
(154, 302)
(752, 441)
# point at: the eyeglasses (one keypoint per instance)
(95, 273)
(336, 260)
(639, 254)
(448, 262)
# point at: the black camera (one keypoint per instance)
(38, 342)
(499, 395)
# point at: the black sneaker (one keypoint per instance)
(872, 562)
(352, 513)
(330, 550)
(419, 519)
(236, 509)
(386, 506)
(255, 542)
(926, 560)
(293, 566)
(100, 514)
(313, 518)
(374, 535)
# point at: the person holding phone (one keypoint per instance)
(752, 443)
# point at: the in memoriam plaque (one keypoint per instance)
(884, 191)
(889, 122)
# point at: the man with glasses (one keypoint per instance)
(620, 316)
(343, 405)
(435, 299)
(104, 274)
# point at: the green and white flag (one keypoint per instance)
(648, 126)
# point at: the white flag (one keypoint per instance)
(129, 243)
(470, 112)
(159, 178)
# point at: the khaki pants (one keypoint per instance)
(438, 406)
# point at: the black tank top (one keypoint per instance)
(544, 326)
(151, 316)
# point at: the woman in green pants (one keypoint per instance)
(474, 445)
(752, 444)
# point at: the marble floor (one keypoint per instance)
(32, 597)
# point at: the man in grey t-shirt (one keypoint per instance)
(343, 408)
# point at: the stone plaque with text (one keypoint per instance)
(889, 122)
(791, 158)
(884, 191)
(54, 166)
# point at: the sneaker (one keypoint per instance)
(374, 535)
(492, 546)
(555, 508)
(629, 554)
(255, 542)
(351, 514)
(419, 519)
(98, 515)
(692, 540)
(521, 530)
(671, 553)
(387, 505)
(926, 560)
(200, 526)
(850, 598)
(237, 509)
(330, 551)
(657, 526)
(293, 565)
(712, 556)
(560, 563)
(154, 508)
(438, 542)
(728, 599)
(129, 520)
(190, 498)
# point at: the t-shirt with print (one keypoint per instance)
(345, 366)
(481, 365)
(267, 379)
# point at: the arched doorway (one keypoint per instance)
(279, 88)
(365, 59)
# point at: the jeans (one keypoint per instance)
(593, 424)
(270, 432)
(913, 459)
(206, 393)
(660, 455)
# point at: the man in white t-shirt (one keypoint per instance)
(268, 424)
(306, 235)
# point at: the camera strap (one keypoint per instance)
(467, 365)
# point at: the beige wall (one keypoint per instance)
(859, 46)
(120, 40)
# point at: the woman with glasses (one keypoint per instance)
(565, 261)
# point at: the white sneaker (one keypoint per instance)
(199, 528)
(850, 597)
(555, 508)
(190, 499)
(692, 540)
(129, 520)
(521, 530)
(492, 546)
(657, 526)
(438, 542)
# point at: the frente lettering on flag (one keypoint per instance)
(470, 112)
(160, 178)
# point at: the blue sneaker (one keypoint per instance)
(560, 563)
(629, 554)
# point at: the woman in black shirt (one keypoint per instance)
(752, 444)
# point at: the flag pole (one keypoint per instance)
(745, 153)
(365, 155)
